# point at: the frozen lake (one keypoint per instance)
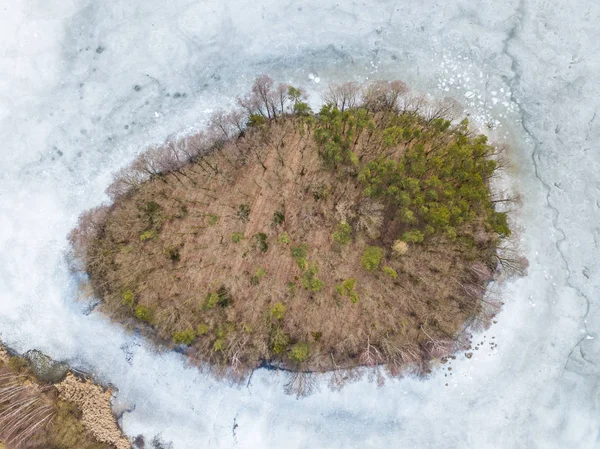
(86, 85)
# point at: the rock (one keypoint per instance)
(44, 368)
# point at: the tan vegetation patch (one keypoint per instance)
(94, 403)
(312, 242)
(34, 415)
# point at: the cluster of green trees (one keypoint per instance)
(438, 182)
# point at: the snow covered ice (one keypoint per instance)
(86, 85)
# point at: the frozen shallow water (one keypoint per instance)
(85, 85)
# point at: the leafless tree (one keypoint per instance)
(412, 103)
(371, 356)
(263, 99)
(343, 96)
(300, 383)
(88, 226)
(447, 108)
(383, 95)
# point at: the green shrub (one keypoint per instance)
(212, 219)
(499, 223)
(278, 218)
(128, 298)
(310, 280)
(279, 340)
(284, 238)
(278, 310)
(299, 253)
(301, 108)
(143, 313)
(346, 288)
(343, 233)
(300, 352)
(151, 207)
(256, 120)
(237, 237)
(220, 298)
(261, 241)
(219, 344)
(414, 236)
(212, 300)
(148, 235)
(203, 329)
(260, 273)
(185, 337)
(224, 329)
(371, 258)
(389, 271)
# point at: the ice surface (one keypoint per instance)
(85, 85)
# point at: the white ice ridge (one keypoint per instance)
(85, 85)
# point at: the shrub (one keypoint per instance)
(310, 280)
(278, 218)
(237, 237)
(143, 313)
(300, 352)
(212, 219)
(151, 207)
(371, 258)
(301, 108)
(299, 253)
(243, 212)
(389, 271)
(279, 340)
(284, 238)
(219, 344)
(343, 233)
(212, 300)
(256, 120)
(128, 298)
(148, 235)
(185, 337)
(278, 310)
(172, 253)
(260, 273)
(221, 298)
(346, 288)
(414, 236)
(203, 329)
(261, 241)
(499, 223)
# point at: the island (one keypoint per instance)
(364, 234)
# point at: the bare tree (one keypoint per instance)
(447, 108)
(262, 99)
(300, 383)
(343, 96)
(383, 95)
(88, 226)
(371, 356)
